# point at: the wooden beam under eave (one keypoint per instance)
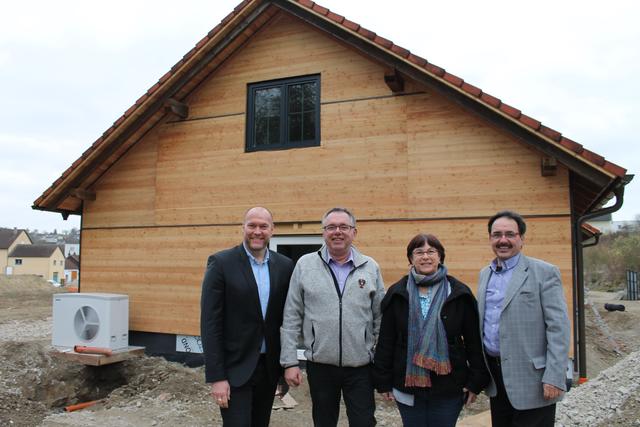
(395, 81)
(83, 194)
(178, 108)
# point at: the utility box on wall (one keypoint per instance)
(91, 319)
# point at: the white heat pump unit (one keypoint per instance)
(91, 319)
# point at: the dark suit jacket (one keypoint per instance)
(232, 327)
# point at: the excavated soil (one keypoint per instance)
(36, 384)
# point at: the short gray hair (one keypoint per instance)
(343, 210)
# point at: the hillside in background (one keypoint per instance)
(607, 262)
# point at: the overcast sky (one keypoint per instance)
(69, 69)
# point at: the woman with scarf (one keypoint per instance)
(429, 352)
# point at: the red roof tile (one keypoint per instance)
(366, 33)
(593, 157)
(241, 6)
(321, 10)
(508, 109)
(335, 17)
(153, 88)
(434, 69)
(130, 110)
(471, 89)
(550, 133)
(306, 3)
(202, 42)
(418, 60)
(490, 100)
(454, 80)
(383, 42)
(351, 25)
(190, 53)
(119, 121)
(531, 122)
(400, 51)
(614, 169)
(214, 30)
(571, 145)
(145, 96)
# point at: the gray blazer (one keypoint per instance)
(534, 332)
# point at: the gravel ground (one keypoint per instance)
(35, 385)
(610, 399)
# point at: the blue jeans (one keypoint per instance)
(431, 412)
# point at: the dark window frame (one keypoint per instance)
(284, 143)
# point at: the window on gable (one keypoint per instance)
(283, 114)
(18, 261)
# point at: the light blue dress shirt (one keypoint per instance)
(341, 271)
(494, 298)
(261, 274)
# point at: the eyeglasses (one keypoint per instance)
(342, 227)
(429, 252)
(496, 235)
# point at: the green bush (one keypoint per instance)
(607, 262)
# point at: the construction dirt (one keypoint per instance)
(36, 384)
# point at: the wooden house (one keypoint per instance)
(288, 105)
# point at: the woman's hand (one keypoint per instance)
(469, 396)
(388, 396)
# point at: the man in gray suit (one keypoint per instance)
(525, 329)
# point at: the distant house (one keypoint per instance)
(9, 239)
(40, 259)
(71, 269)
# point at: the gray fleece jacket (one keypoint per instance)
(339, 330)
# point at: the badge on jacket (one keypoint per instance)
(361, 283)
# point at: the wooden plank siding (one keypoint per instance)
(161, 269)
(404, 164)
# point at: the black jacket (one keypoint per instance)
(460, 318)
(232, 327)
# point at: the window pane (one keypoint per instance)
(309, 126)
(295, 94)
(267, 116)
(295, 127)
(267, 131)
(310, 92)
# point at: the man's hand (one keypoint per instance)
(470, 396)
(293, 376)
(221, 393)
(550, 391)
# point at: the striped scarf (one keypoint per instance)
(427, 348)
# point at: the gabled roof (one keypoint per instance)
(9, 235)
(34, 251)
(594, 175)
(72, 262)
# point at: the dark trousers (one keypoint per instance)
(431, 412)
(503, 414)
(327, 382)
(250, 404)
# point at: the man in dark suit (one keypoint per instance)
(525, 329)
(243, 295)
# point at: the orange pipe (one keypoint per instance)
(79, 406)
(92, 350)
(582, 380)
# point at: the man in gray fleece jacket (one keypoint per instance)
(334, 303)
